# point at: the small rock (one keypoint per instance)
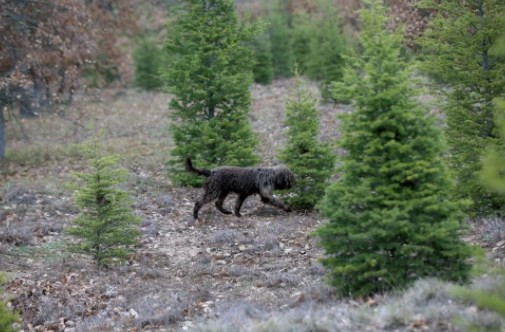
(296, 294)
(110, 292)
(242, 247)
(298, 297)
(165, 201)
(187, 325)
(133, 313)
(371, 302)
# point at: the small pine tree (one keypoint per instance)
(7, 317)
(210, 73)
(106, 226)
(493, 177)
(263, 68)
(492, 173)
(148, 61)
(311, 161)
(325, 60)
(458, 51)
(390, 216)
(303, 31)
(280, 37)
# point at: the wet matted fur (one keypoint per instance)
(244, 181)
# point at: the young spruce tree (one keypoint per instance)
(263, 68)
(280, 37)
(209, 73)
(325, 60)
(311, 161)
(458, 49)
(303, 31)
(390, 216)
(106, 226)
(492, 173)
(493, 177)
(148, 58)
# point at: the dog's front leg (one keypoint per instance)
(201, 202)
(267, 197)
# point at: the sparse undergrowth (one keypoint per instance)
(429, 305)
(258, 271)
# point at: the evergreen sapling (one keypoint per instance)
(390, 216)
(280, 37)
(310, 160)
(148, 58)
(263, 68)
(210, 73)
(107, 228)
(327, 45)
(460, 52)
(303, 31)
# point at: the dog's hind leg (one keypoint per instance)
(219, 203)
(238, 204)
(267, 197)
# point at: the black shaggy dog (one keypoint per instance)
(244, 181)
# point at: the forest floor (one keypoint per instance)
(223, 273)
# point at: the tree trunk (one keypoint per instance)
(485, 57)
(29, 105)
(211, 107)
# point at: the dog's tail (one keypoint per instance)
(190, 168)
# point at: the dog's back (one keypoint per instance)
(234, 179)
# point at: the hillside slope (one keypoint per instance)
(256, 273)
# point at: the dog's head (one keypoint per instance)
(284, 178)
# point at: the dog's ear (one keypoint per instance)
(291, 179)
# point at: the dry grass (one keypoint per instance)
(490, 230)
(227, 237)
(256, 273)
(427, 306)
(282, 279)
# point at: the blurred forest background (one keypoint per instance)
(390, 113)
